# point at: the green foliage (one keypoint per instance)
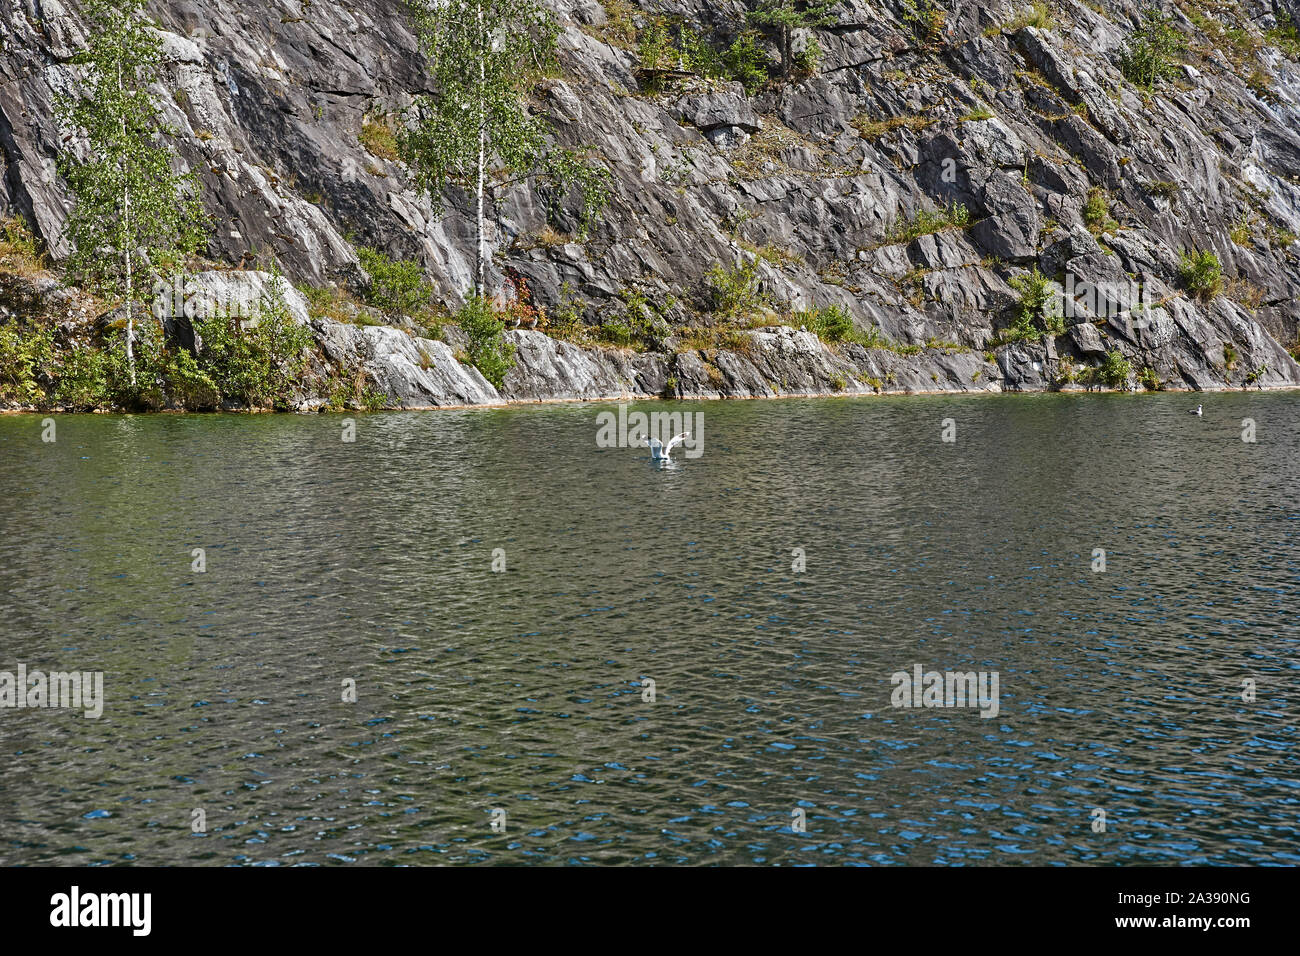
(1284, 36)
(130, 208)
(1113, 371)
(654, 48)
(257, 367)
(1038, 15)
(1148, 379)
(745, 62)
(19, 250)
(831, 323)
(485, 57)
(1202, 273)
(617, 332)
(1153, 51)
(808, 59)
(1035, 315)
(83, 378)
(696, 54)
(954, 216)
(565, 320)
(26, 357)
(926, 18)
(639, 324)
(397, 286)
(566, 170)
(1096, 212)
(1240, 231)
(488, 350)
(783, 17)
(735, 293)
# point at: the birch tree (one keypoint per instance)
(130, 208)
(477, 131)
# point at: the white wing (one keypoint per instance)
(677, 440)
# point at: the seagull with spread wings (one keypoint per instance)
(661, 452)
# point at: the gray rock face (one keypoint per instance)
(709, 111)
(778, 361)
(1029, 130)
(412, 372)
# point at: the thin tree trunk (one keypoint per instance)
(482, 154)
(126, 252)
(787, 67)
(130, 291)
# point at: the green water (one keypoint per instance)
(523, 690)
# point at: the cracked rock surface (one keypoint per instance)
(1021, 126)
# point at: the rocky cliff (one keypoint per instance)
(837, 185)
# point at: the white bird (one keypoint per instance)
(1197, 412)
(661, 452)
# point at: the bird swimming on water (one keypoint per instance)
(661, 452)
(1195, 411)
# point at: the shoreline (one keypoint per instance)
(629, 398)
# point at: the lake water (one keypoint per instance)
(523, 690)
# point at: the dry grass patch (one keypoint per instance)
(378, 137)
(19, 249)
(869, 128)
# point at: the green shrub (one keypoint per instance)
(565, 320)
(653, 47)
(1034, 317)
(397, 286)
(616, 332)
(953, 216)
(1149, 379)
(19, 249)
(83, 379)
(1152, 51)
(745, 62)
(1202, 273)
(1284, 36)
(697, 54)
(832, 323)
(1114, 370)
(257, 367)
(1096, 212)
(808, 59)
(488, 350)
(26, 357)
(735, 293)
(926, 18)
